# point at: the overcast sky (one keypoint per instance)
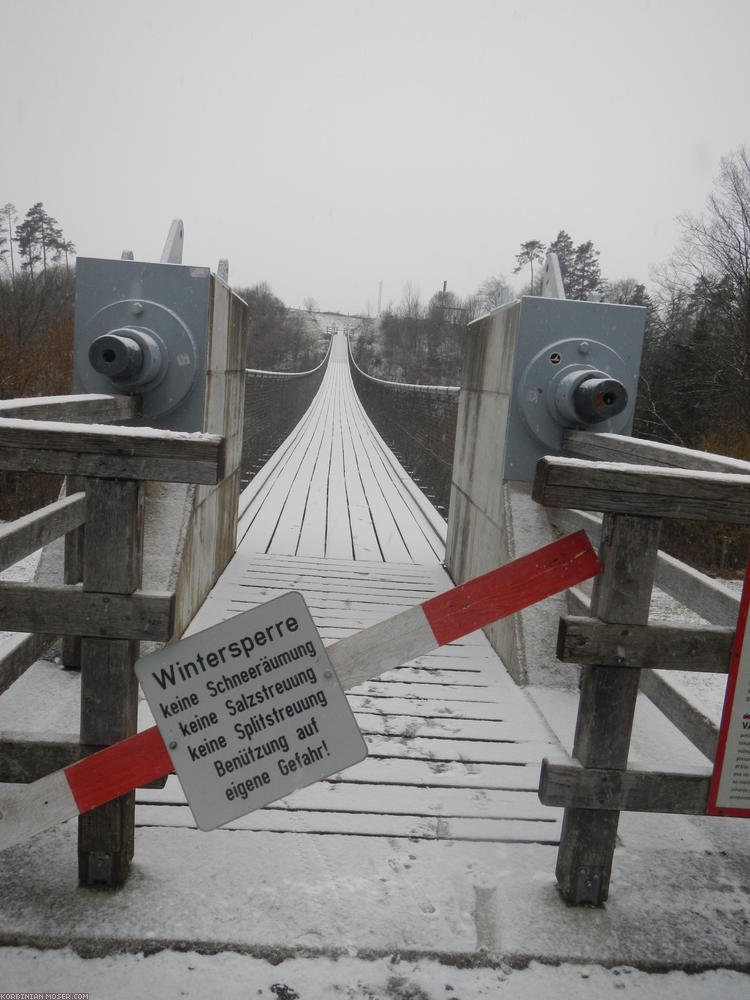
(324, 146)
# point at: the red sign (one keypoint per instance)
(730, 783)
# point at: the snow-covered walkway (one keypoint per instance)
(454, 746)
(335, 490)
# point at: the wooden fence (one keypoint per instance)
(101, 603)
(635, 484)
(418, 422)
(274, 403)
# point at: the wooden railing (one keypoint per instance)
(418, 422)
(274, 403)
(100, 603)
(617, 647)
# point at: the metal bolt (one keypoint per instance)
(328, 674)
(136, 309)
(173, 745)
(583, 347)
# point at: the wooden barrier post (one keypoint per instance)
(73, 573)
(112, 564)
(622, 595)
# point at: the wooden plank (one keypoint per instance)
(25, 535)
(579, 603)
(448, 692)
(396, 799)
(643, 490)
(494, 750)
(707, 597)
(622, 594)
(109, 452)
(668, 647)
(448, 728)
(619, 448)
(368, 466)
(113, 569)
(364, 539)
(68, 610)
(609, 789)
(312, 535)
(423, 709)
(25, 758)
(274, 502)
(73, 573)
(296, 481)
(19, 654)
(320, 822)
(692, 723)
(89, 408)
(444, 774)
(339, 542)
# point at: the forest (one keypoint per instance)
(694, 387)
(37, 295)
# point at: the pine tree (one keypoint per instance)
(585, 273)
(40, 239)
(563, 246)
(532, 251)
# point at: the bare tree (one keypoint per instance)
(493, 292)
(8, 219)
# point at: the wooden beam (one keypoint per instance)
(68, 610)
(113, 564)
(709, 598)
(692, 723)
(619, 448)
(642, 490)
(578, 601)
(621, 595)
(27, 534)
(18, 655)
(573, 786)
(73, 573)
(667, 647)
(91, 408)
(24, 757)
(111, 452)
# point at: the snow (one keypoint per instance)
(20, 572)
(737, 478)
(238, 977)
(83, 397)
(103, 430)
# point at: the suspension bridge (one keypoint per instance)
(442, 842)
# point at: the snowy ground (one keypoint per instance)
(240, 977)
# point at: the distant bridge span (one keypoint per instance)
(334, 489)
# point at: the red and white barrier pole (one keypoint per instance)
(143, 758)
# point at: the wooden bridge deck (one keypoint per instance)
(454, 746)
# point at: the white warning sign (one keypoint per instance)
(250, 710)
(729, 794)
